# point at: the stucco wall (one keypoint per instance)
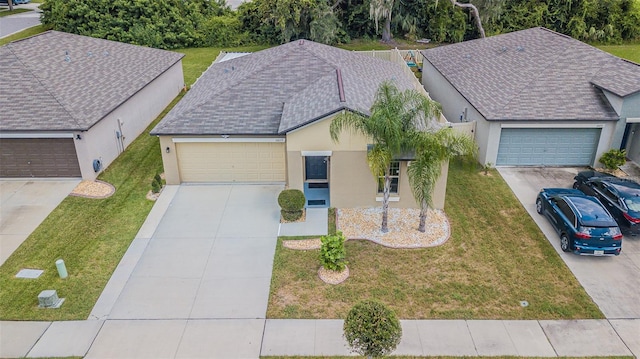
(350, 180)
(631, 109)
(100, 142)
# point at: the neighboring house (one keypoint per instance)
(70, 104)
(265, 117)
(538, 97)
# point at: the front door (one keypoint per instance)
(316, 181)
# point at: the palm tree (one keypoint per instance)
(433, 148)
(393, 126)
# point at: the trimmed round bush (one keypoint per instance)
(291, 216)
(291, 200)
(372, 329)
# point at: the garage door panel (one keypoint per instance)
(547, 146)
(231, 162)
(38, 157)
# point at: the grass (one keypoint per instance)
(435, 357)
(495, 258)
(24, 33)
(15, 11)
(628, 51)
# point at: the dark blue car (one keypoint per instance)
(620, 196)
(584, 225)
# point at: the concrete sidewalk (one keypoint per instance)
(232, 338)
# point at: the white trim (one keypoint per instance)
(226, 140)
(551, 125)
(633, 119)
(316, 153)
(391, 199)
(36, 135)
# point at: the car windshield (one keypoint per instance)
(633, 203)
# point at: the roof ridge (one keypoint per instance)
(27, 68)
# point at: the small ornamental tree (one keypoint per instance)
(613, 159)
(291, 203)
(332, 252)
(372, 329)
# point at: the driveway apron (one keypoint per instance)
(612, 282)
(210, 257)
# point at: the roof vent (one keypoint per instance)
(106, 53)
(520, 48)
(467, 56)
(301, 42)
(67, 58)
(89, 54)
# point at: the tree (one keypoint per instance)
(432, 150)
(396, 118)
(474, 12)
(372, 329)
(379, 10)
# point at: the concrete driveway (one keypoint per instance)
(201, 285)
(15, 23)
(612, 282)
(24, 204)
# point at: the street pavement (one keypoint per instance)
(14, 23)
(184, 289)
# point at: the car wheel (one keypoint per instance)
(539, 206)
(576, 185)
(565, 243)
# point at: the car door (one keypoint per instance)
(567, 221)
(553, 213)
(589, 188)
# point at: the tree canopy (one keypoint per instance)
(196, 23)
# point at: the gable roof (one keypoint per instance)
(58, 81)
(276, 90)
(535, 74)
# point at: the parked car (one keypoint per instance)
(15, 2)
(584, 225)
(620, 196)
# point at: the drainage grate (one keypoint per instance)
(316, 202)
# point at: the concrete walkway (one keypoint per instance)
(24, 204)
(152, 307)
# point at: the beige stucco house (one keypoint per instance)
(538, 98)
(264, 118)
(71, 104)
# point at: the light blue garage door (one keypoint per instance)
(547, 146)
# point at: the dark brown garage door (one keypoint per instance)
(38, 157)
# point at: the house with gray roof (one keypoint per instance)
(265, 117)
(538, 97)
(71, 104)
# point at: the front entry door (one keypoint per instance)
(316, 181)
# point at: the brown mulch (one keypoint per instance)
(93, 189)
(332, 277)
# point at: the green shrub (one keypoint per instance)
(612, 159)
(156, 184)
(332, 252)
(291, 203)
(291, 216)
(291, 200)
(372, 329)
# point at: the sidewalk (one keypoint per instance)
(226, 338)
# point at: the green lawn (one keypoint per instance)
(628, 51)
(6, 12)
(495, 258)
(24, 33)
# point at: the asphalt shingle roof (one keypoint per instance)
(535, 74)
(276, 90)
(60, 81)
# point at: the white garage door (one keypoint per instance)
(548, 146)
(231, 162)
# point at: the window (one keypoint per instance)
(566, 210)
(395, 178)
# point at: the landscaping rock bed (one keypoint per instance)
(93, 189)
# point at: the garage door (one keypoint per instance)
(38, 157)
(548, 146)
(231, 162)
